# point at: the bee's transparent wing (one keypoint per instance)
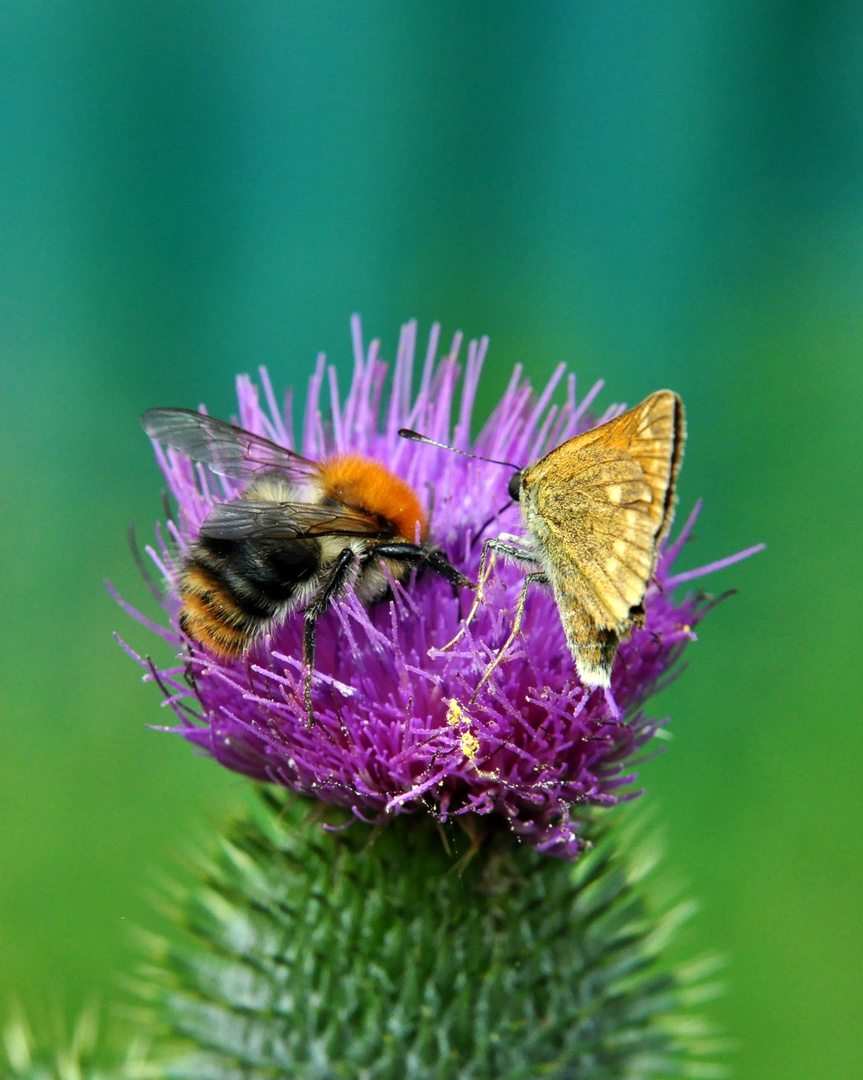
(228, 450)
(245, 519)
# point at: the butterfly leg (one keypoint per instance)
(537, 578)
(339, 575)
(505, 545)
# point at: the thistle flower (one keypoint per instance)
(395, 729)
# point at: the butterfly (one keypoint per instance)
(595, 511)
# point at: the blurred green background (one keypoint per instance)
(665, 193)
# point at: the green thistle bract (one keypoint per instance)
(379, 954)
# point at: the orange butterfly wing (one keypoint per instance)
(598, 506)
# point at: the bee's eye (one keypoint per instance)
(514, 486)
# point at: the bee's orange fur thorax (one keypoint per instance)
(368, 485)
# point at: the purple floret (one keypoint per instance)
(395, 731)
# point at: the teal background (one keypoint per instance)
(664, 193)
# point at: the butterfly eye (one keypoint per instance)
(514, 486)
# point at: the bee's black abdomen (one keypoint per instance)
(264, 574)
(231, 588)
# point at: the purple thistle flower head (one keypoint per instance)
(395, 729)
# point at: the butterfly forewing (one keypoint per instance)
(657, 436)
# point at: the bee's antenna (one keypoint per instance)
(415, 436)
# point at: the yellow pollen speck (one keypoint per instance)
(469, 745)
(455, 713)
(686, 628)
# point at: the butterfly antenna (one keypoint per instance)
(415, 436)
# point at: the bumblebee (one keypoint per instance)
(300, 532)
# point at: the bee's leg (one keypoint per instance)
(438, 562)
(339, 575)
(414, 555)
(494, 545)
(537, 578)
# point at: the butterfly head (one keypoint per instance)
(515, 482)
